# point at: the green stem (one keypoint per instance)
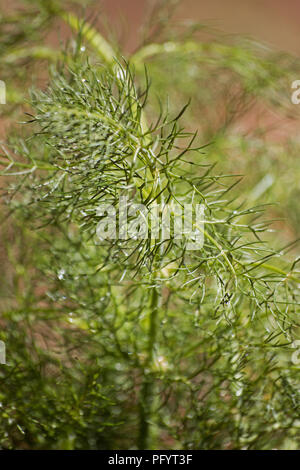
(147, 388)
(91, 35)
(35, 52)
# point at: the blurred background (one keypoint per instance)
(275, 21)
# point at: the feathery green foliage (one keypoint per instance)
(131, 343)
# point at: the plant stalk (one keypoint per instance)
(147, 388)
